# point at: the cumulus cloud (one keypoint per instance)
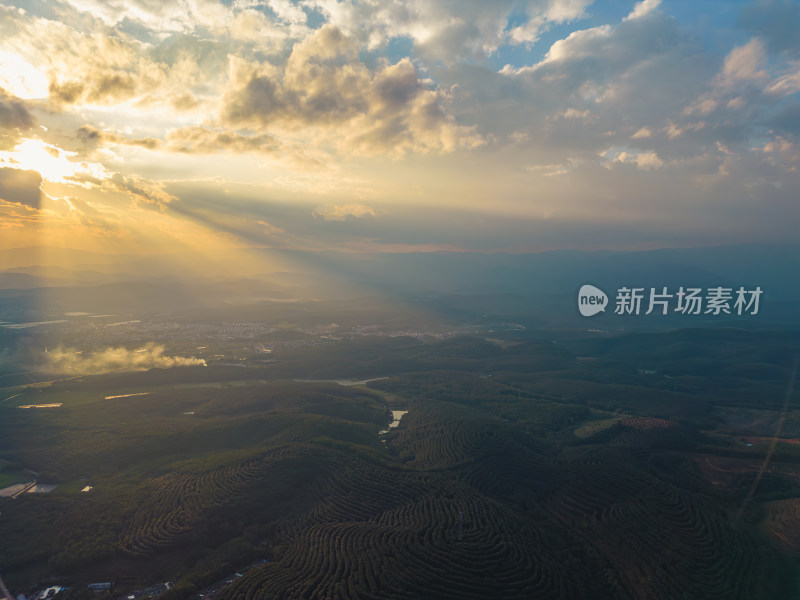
(782, 146)
(744, 63)
(639, 64)
(742, 73)
(91, 68)
(323, 82)
(580, 44)
(600, 86)
(324, 85)
(67, 360)
(643, 8)
(94, 88)
(161, 88)
(263, 25)
(639, 158)
(748, 91)
(87, 63)
(644, 79)
(178, 16)
(449, 30)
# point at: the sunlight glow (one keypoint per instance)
(52, 163)
(21, 78)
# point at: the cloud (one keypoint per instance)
(641, 159)
(95, 88)
(342, 212)
(787, 120)
(323, 82)
(643, 8)
(749, 91)
(598, 87)
(14, 114)
(448, 30)
(744, 63)
(91, 68)
(776, 21)
(21, 187)
(574, 113)
(69, 361)
(178, 16)
(19, 77)
(579, 44)
(203, 140)
(195, 139)
(53, 163)
(608, 63)
(786, 84)
(741, 73)
(141, 190)
(228, 95)
(646, 79)
(270, 229)
(782, 152)
(93, 137)
(325, 89)
(85, 62)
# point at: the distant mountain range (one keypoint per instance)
(539, 286)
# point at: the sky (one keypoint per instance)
(197, 126)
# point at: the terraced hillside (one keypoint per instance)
(584, 524)
(488, 488)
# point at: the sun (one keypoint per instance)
(52, 163)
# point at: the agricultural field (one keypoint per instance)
(517, 471)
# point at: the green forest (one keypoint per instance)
(628, 467)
